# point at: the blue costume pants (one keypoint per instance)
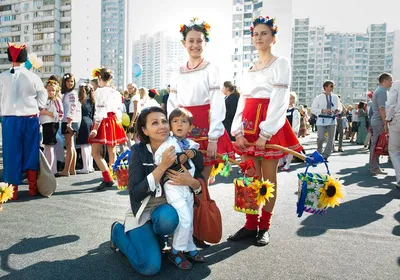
(141, 245)
(21, 141)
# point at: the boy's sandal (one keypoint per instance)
(180, 261)
(196, 257)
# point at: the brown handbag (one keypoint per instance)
(207, 222)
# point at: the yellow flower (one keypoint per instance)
(6, 192)
(216, 170)
(263, 190)
(331, 193)
(96, 73)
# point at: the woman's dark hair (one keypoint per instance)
(106, 74)
(361, 105)
(64, 88)
(142, 120)
(84, 91)
(231, 87)
(195, 28)
(181, 112)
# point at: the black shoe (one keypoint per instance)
(243, 233)
(112, 246)
(104, 185)
(200, 243)
(262, 238)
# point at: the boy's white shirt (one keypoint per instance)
(172, 141)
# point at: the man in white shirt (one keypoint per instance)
(326, 106)
(393, 119)
(22, 95)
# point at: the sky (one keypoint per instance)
(150, 16)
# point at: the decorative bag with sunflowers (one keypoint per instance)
(251, 194)
(120, 170)
(317, 192)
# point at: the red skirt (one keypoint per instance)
(110, 132)
(255, 111)
(199, 134)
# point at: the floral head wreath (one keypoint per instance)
(264, 20)
(185, 28)
(53, 84)
(96, 73)
(67, 76)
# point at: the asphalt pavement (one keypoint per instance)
(67, 235)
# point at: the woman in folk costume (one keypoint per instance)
(107, 129)
(261, 119)
(22, 95)
(197, 89)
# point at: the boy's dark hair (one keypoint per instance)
(383, 77)
(181, 112)
(328, 83)
(141, 122)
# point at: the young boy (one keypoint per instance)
(181, 197)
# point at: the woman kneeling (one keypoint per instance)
(149, 217)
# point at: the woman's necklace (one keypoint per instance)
(264, 63)
(187, 65)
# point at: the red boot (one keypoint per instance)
(15, 194)
(32, 181)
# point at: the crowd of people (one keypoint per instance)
(167, 166)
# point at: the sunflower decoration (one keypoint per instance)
(6, 193)
(330, 193)
(263, 190)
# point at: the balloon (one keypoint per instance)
(125, 119)
(33, 61)
(137, 70)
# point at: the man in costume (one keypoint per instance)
(22, 95)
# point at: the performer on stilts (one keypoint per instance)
(22, 95)
(261, 119)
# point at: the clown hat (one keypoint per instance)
(16, 53)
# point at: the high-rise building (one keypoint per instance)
(244, 12)
(352, 60)
(45, 27)
(160, 55)
(116, 51)
(393, 54)
(377, 48)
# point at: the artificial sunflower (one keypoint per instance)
(6, 193)
(331, 193)
(216, 169)
(263, 190)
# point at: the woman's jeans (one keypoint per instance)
(141, 245)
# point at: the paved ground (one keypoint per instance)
(66, 236)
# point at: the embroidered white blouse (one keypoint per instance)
(199, 87)
(72, 107)
(54, 106)
(270, 82)
(107, 100)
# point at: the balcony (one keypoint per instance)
(65, 8)
(65, 52)
(65, 30)
(65, 19)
